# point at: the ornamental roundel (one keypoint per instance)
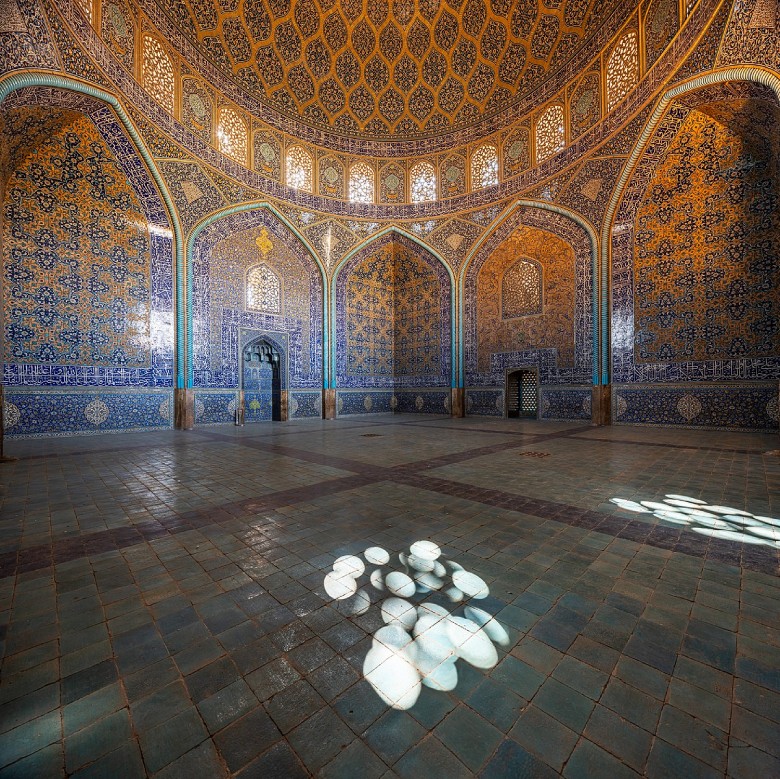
(11, 415)
(516, 150)
(96, 412)
(331, 177)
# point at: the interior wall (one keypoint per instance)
(393, 330)
(696, 336)
(529, 305)
(87, 278)
(225, 318)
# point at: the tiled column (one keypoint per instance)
(284, 413)
(458, 402)
(184, 409)
(602, 405)
(329, 404)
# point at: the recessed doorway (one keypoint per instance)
(262, 382)
(522, 394)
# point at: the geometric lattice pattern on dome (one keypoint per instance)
(299, 168)
(422, 182)
(484, 167)
(521, 290)
(388, 68)
(263, 290)
(232, 135)
(157, 72)
(86, 9)
(550, 132)
(622, 69)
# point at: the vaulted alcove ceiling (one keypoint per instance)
(394, 68)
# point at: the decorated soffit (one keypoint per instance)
(392, 68)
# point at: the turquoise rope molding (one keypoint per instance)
(597, 324)
(255, 206)
(350, 254)
(741, 73)
(13, 82)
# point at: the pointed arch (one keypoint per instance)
(16, 81)
(385, 234)
(498, 231)
(755, 74)
(244, 208)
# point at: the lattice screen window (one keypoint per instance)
(86, 9)
(422, 182)
(232, 135)
(550, 135)
(622, 69)
(484, 166)
(361, 183)
(263, 290)
(157, 73)
(299, 168)
(521, 290)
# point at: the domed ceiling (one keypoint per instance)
(390, 68)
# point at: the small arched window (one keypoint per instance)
(157, 73)
(361, 183)
(521, 290)
(263, 290)
(232, 136)
(622, 69)
(484, 167)
(422, 182)
(299, 168)
(550, 133)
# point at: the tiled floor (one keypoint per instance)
(163, 609)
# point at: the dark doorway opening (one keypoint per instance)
(522, 394)
(261, 378)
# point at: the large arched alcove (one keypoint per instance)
(528, 304)
(393, 328)
(88, 268)
(695, 271)
(253, 278)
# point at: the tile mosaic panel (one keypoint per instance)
(558, 341)
(393, 317)
(215, 407)
(223, 323)
(422, 402)
(304, 404)
(568, 403)
(719, 330)
(56, 413)
(88, 259)
(485, 402)
(349, 403)
(749, 406)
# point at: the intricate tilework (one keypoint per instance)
(744, 407)
(752, 36)
(393, 317)
(50, 413)
(454, 239)
(192, 191)
(118, 31)
(76, 165)
(331, 176)
(422, 401)
(24, 38)
(305, 404)
(492, 345)
(452, 175)
(591, 187)
(268, 155)
(662, 20)
(521, 289)
(197, 107)
(567, 403)
(392, 183)
(485, 402)
(585, 104)
(222, 325)
(707, 241)
(215, 407)
(349, 403)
